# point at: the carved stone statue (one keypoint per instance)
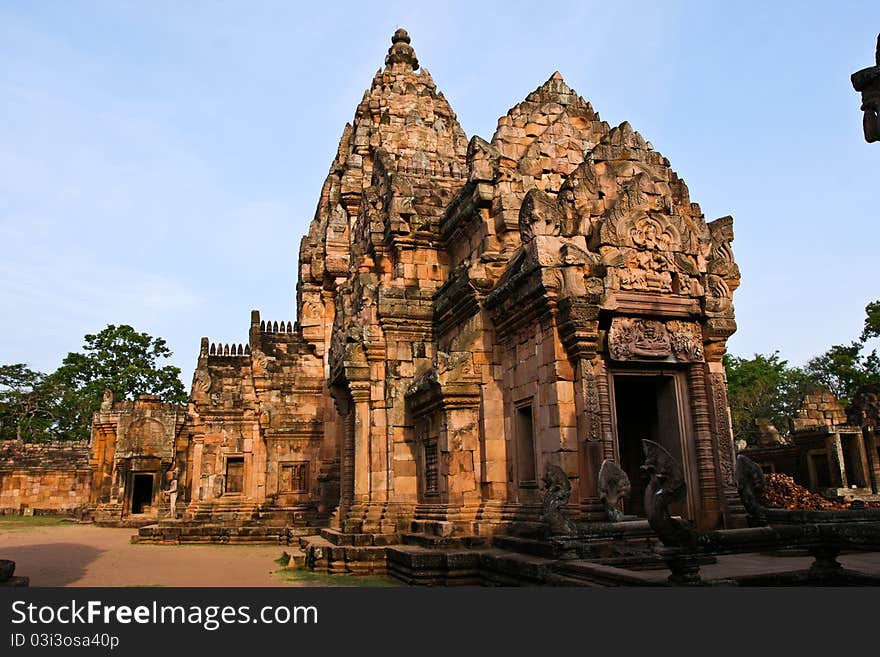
(614, 486)
(557, 491)
(171, 492)
(750, 485)
(201, 382)
(666, 486)
(107, 401)
(768, 434)
(867, 81)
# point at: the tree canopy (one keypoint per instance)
(766, 386)
(36, 406)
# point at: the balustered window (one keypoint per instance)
(431, 485)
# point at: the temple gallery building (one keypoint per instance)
(468, 313)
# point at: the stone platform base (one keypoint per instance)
(183, 532)
(431, 555)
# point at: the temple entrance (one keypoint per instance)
(141, 492)
(645, 407)
(234, 475)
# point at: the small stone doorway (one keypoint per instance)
(647, 406)
(141, 492)
(234, 475)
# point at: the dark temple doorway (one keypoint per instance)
(141, 492)
(234, 474)
(645, 407)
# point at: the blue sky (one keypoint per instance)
(159, 161)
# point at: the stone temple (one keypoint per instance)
(468, 313)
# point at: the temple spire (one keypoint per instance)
(401, 52)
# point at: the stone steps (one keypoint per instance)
(433, 567)
(323, 555)
(423, 539)
(178, 533)
(528, 546)
(341, 538)
(587, 573)
(504, 568)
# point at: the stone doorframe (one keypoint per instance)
(685, 422)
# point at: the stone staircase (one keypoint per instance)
(433, 553)
(339, 552)
(112, 515)
(179, 532)
(236, 521)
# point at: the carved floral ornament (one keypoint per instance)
(650, 233)
(647, 339)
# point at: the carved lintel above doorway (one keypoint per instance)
(637, 339)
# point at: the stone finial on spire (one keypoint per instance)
(400, 50)
(867, 81)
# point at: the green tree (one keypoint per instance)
(28, 405)
(872, 321)
(844, 368)
(118, 358)
(764, 386)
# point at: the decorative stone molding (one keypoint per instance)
(632, 339)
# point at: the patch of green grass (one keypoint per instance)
(145, 586)
(17, 523)
(308, 577)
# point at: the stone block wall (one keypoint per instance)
(818, 410)
(51, 477)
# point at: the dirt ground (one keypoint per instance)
(55, 553)
(70, 554)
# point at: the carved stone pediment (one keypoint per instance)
(539, 215)
(632, 338)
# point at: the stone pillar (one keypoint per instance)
(605, 411)
(494, 466)
(255, 465)
(709, 509)
(835, 461)
(360, 393)
(722, 434)
(863, 460)
(195, 493)
(873, 458)
(589, 429)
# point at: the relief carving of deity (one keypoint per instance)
(648, 271)
(638, 338)
(646, 339)
(687, 341)
(648, 233)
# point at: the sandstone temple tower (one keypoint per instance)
(468, 313)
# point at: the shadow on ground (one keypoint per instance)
(38, 562)
(305, 577)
